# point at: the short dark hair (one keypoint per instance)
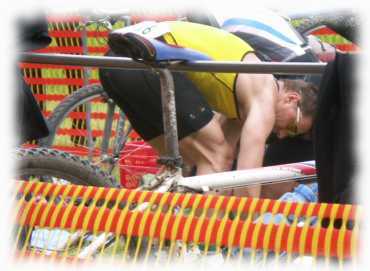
(307, 91)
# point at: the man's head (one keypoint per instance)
(295, 107)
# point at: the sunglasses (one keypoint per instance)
(292, 129)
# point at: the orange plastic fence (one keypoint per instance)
(222, 222)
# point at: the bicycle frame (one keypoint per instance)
(273, 174)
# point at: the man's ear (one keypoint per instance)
(292, 97)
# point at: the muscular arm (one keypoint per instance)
(255, 131)
(256, 97)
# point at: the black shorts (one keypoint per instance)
(137, 93)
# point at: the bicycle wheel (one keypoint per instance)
(52, 165)
(88, 123)
(47, 165)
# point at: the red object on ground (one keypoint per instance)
(137, 158)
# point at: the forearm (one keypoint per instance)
(254, 133)
(255, 130)
(250, 156)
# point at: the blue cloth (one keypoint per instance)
(301, 193)
(164, 52)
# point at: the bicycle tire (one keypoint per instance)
(54, 163)
(67, 105)
(79, 98)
